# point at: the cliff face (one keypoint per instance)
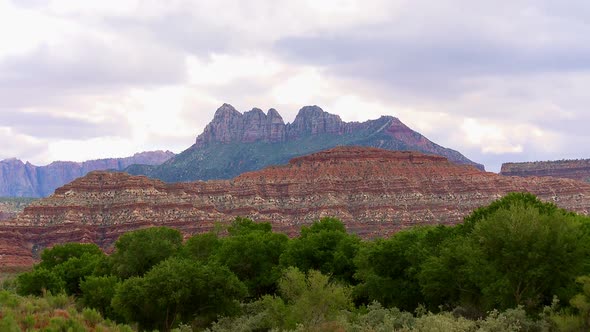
(567, 169)
(234, 143)
(375, 192)
(18, 179)
(10, 207)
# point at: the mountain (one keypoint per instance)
(375, 192)
(568, 169)
(234, 143)
(18, 179)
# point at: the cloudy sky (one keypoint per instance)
(497, 80)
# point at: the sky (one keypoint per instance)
(498, 81)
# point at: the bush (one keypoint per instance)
(39, 281)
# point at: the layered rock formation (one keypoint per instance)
(18, 179)
(10, 207)
(234, 143)
(375, 192)
(567, 169)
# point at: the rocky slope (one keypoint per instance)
(234, 143)
(18, 179)
(11, 206)
(568, 169)
(375, 192)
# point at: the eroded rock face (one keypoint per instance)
(18, 179)
(567, 169)
(375, 192)
(10, 207)
(229, 125)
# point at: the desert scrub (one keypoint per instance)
(50, 313)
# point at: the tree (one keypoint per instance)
(252, 252)
(444, 276)
(509, 200)
(525, 255)
(312, 298)
(38, 281)
(201, 247)
(243, 225)
(61, 253)
(517, 251)
(76, 269)
(178, 290)
(324, 246)
(388, 269)
(98, 292)
(136, 252)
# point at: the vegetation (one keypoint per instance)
(516, 265)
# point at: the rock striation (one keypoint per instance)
(567, 169)
(18, 179)
(234, 143)
(10, 206)
(375, 192)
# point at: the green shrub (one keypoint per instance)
(39, 281)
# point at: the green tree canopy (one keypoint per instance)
(517, 251)
(252, 252)
(178, 290)
(136, 252)
(61, 253)
(201, 247)
(324, 246)
(98, 292)
(38, 281)
(388, 268)
(524, 255)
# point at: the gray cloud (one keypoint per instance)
(95, 64)
(47, 125)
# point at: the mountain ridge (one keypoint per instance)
(235, 142)
(20, 179)
(577, 169)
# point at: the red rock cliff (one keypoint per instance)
(375, 192)
(567, 169)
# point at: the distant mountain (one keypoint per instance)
(578, 169)
(234, 143)
(18, 179)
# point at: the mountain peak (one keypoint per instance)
(226, 110)
(312, 120)
(231, 126)
(313, 127)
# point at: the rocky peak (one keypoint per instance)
(229, 126)
(312, 120)
(276, 129)
(12, 162)
(226, 111)
(225, 127)
(255, 128)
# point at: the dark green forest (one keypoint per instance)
(518, 264)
